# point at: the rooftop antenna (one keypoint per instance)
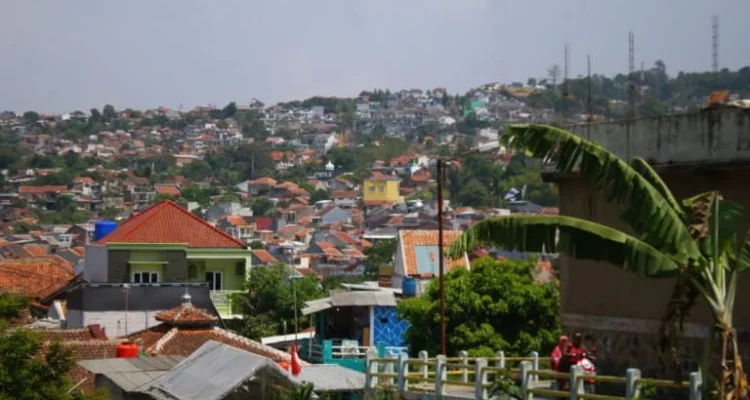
(565, 69)
(631, 71)
(715, 42)
(588, 99)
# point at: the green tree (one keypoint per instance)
(31, 117)
(95, 116)
(380, 253)
(270, 300)
(495, 305)
(25, 375)
(11, 306)
(262, 207)
(22, 227)
(229, 110)
(108, 113)
(161, 197)
(694, 240)
(319, 195)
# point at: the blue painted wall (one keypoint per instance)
(389, 328)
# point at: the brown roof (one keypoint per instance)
(264, 181)
(186, 314)
(264, 256)
(345, 194)
(409, 239)
(170, 190)
(33, 277)
(91, 332)
(43, 189)
(167, 222)
(167, 340)
(237, 220)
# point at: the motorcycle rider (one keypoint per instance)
(557, 356)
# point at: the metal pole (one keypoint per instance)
(440, 168)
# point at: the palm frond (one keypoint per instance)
(579, 238)
(650, 214)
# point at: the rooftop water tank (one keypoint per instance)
(103, 228)
(127, 350)
(409, 287)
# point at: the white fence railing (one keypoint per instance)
(445, 376)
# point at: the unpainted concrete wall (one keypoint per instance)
(717, 135)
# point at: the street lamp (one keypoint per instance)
(441, 163)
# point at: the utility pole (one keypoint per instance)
(631, 71)
(441, 262)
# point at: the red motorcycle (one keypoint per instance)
(585, 360)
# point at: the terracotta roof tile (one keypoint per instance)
(186, 314)
(345, 194)
(166, 340)
(167, 222)
(344, 237)
(169, 190)
(36, 250)
(33, 277)
(264, 256)
(264, 181)
(352, 252)
(237, 220)
(92, 332)
(43, 189)
(409, 239)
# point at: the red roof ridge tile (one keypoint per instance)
(130, 225)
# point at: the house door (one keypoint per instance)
(214, 280)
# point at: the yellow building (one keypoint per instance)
(381, 189)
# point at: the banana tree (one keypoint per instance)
(694, 240)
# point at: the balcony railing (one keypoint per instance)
(226, 301)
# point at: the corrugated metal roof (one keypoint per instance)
(362, 298)
(332, 377)
(102, 366)
(213, 371)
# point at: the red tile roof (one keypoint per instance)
(345, 194)
(33, 277)
(264, 256)
(36, 250)
(91, 332)
(237, 220)
(170, 190)
(264, 181)
(409, 239)
(168, 340)
(167, 222)
(344, 237)
(186, 314)
(42, 189)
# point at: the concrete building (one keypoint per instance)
(619, 311)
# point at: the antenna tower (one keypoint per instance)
(588, 100)
(715, 42)
(631, 71)
(565, 73)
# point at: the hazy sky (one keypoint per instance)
(59, 55)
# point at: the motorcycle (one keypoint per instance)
(585, 361)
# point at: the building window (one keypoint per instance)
(145, 277)
(192, 271)
(239, 268)
(371, 189)
(214, 280)
(381, 189)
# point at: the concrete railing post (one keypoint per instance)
(480, 378)
(632, 391)
(500, 363)
(696, 381)
(441, 374)
(403, 373)
(526, 381)
(535, 364)
(424, 368)
(327, 351)
(388, 369)
(371, 380)
(464, 356)
(575, 385)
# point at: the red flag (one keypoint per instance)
(296, 366)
